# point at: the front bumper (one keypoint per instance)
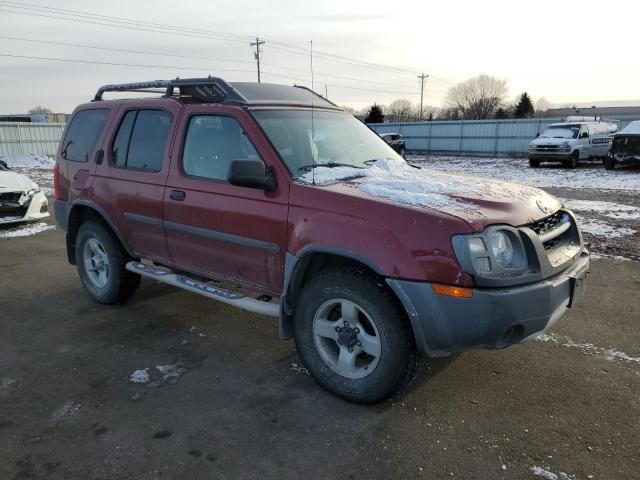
(493, 317)
(549, 156)
(35, 208)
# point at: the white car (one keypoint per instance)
(20, 198)
(579, 138)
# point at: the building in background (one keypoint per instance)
(36, 118)
(618, 113)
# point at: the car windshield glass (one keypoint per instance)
(331, 139)
(570, 131)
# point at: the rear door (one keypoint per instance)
(78, 149)
(215, 228)
(129, 183)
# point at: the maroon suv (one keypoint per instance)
(366, 260)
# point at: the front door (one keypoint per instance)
(215, 228)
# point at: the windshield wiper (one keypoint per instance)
(329, 164)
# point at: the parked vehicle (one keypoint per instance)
(366, 261)
(396, 142)
(625, 148)
(21, 200)
(572, 141)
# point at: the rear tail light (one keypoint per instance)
(56, 182)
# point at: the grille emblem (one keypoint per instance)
(542, 206)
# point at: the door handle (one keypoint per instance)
(178, 195)
(99, 156)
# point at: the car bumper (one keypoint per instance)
(37, 208)
(549, 156)
(493, 317)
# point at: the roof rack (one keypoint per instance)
(216, 90)
(209, 89)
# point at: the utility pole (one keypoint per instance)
(257, 44)
(422, 78)
(326, 95)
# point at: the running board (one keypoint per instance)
(181, 281)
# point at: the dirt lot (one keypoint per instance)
(245, 408)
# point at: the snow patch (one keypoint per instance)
(548, 475)
(299, 369)
(603, 229)
(38, 161)
(587, 348)
(518, 170)
(158, 376)
(606, 209)
(26, 231)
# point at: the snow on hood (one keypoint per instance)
(12, 181)
(550, 141)
(459, 195)
(632, 128)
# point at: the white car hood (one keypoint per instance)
(551, 141)
(14, 182)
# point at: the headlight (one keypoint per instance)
(495, 252)
(566, 147)
(33, 191)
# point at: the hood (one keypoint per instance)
(12, 182)
(478, 201)
(550, 141)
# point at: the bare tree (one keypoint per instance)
(40, 109)
(401, 110)
(477, 98)
(542, 105)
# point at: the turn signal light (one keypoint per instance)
(451, 291)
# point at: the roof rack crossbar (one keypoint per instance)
(209, 89)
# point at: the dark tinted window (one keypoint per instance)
(82, 134)
(121, 143)
(149, 140)
(212, 143)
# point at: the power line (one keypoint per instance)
(88, 17)
(97, 62)
(146, 52)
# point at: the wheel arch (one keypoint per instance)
(79, 213)
(311, 259)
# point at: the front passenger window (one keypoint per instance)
(211, 144)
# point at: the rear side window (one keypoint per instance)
(82, 134)
(141, 140)
(212, 143)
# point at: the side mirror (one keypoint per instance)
(251, 174)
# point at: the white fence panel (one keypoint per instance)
(18, 138)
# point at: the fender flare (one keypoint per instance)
(101, 212)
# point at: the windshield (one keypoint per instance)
(334, 139)
(568, 131)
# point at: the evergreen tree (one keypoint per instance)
(375, 115)
(501, 114)
(524, 108)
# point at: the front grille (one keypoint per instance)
(548, 224)
(6, 213)
(10, 197)
(547, 148)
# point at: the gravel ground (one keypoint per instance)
(242, 406)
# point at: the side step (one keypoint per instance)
(181, 281)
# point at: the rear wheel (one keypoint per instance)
(534, 163)
(353, 336)
(573, 160)
(101, 262)
(609, 163)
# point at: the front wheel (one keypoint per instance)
(573, 160)
(353, 336)
(534, 163)
(101, 262)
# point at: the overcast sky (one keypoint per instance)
(569, 52)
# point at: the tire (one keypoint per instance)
(101, 261)
(534, 163)
(609, 163)
(377, 324)
(572, 161)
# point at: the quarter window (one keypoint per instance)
(141, 140)
(212, 143)
(82, 134)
